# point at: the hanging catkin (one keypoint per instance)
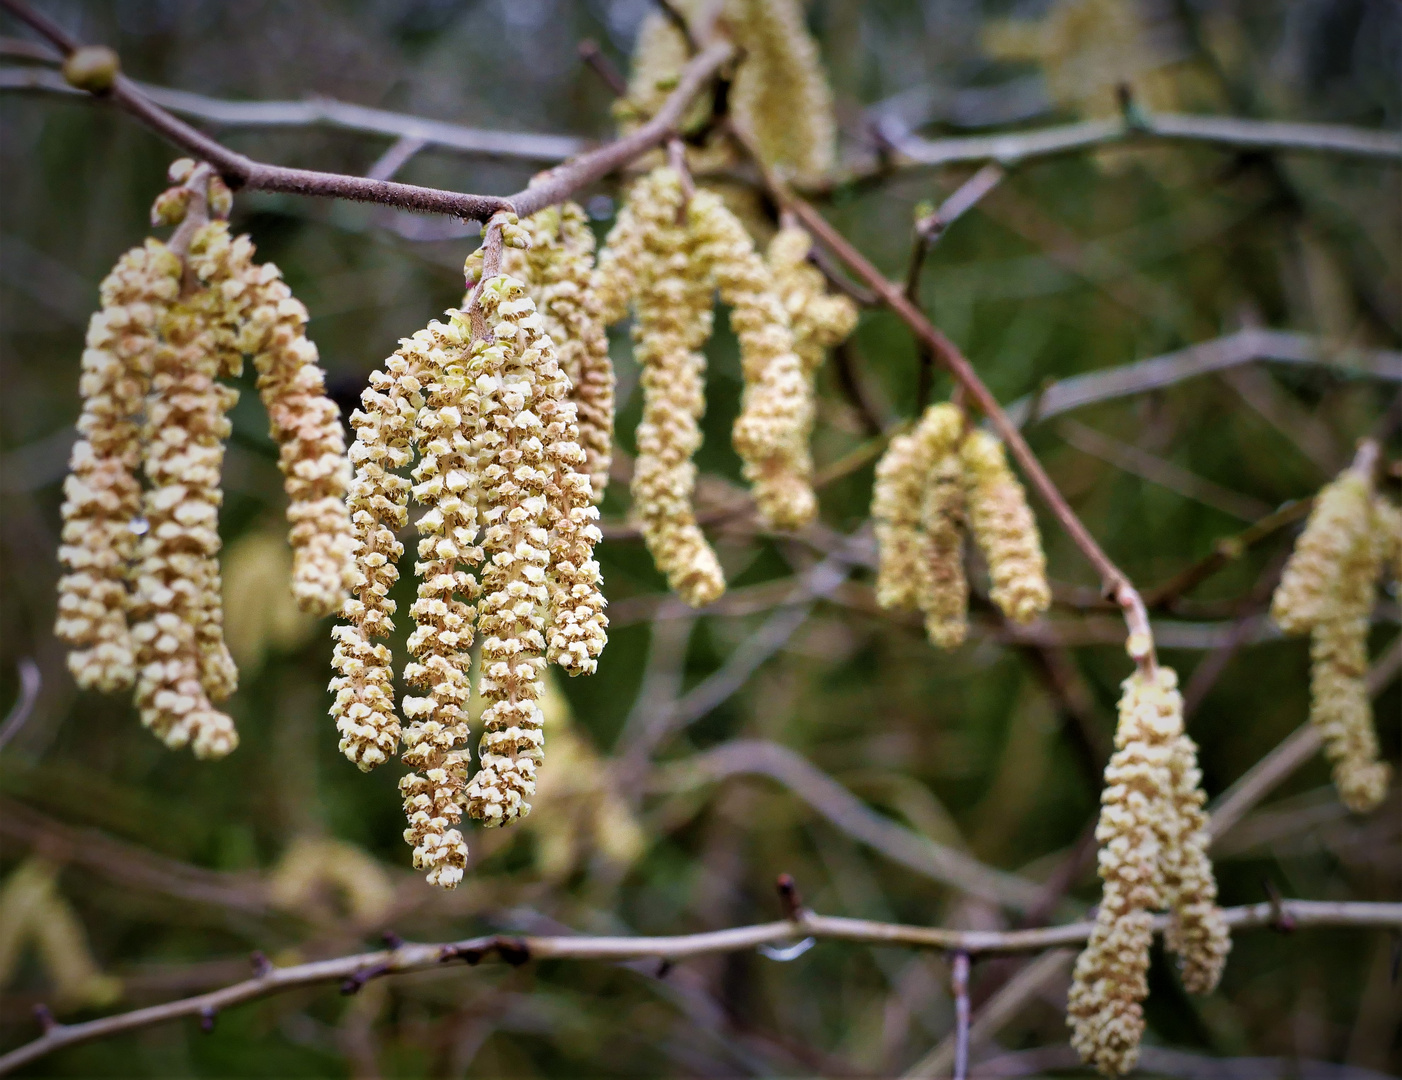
(1005, 530)
(673, 314)
(515, 374)
(1153, 842)
(435, 741)
(557, 269)
(1328, 589)
(102, 496)
(776, 410)
(916, 505)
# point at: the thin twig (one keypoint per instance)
(959, 983)
(30, 682)
(512, 949)
(592, 54)
(544, 190)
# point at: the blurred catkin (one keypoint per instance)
(776, 409)
(943, 588)
(1331, 557)
(1197, 933)
(102, 496)
(673, 314)
(1005, 530)
(1342, 709)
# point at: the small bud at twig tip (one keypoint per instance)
(789, 897)
(391, 939)
(45, 1018)
(262, 966)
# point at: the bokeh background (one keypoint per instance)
(164, 872)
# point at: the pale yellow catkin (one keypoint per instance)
(819, 319)
(102, 496)
(1329, 559)
(446, 484)
(776, 407)
(1005, 530)
(1389, 531)
(1153, 854)
(672, 322)
(943, 588)
(1110, 980)
(614, 281)
(1342, 709)
(557, 269)
(378, 500)
(176, 587)
(904, 554)
(516, 373)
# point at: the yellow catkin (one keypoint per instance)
(102, 496)
(673, 321)
(1342, 709)
(1329, 557)
(1153, 844)
(1111, 974)
(176, 576)
(557, 269)
(776, 408)
(943, 588)
(819, 319)
(515, 375)
(446, 484)
(1005, 530)
(1197, 933)
(1388, 527)
(615, 279)
(781, 93)
(378, 500)
(904, 555)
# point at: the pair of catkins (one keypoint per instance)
(1327, 590)
(669, 253)
(933, 484)
(139, 602)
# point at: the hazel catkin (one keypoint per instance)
(1329, 557)
(1005, 530)
(102, 496)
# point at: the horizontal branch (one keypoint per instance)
(1157, 372)
(1013, 148)
(241, 171)
(323, 112)
(354, 971)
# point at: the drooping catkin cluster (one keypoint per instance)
(556, 269)
(141, 600)
(667, 254)
(1153, 842)
(780, 92)
(932, 485)
(505, 487)
(1327, 590)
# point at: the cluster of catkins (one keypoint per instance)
(1327, 591)
(499, 443)
(932, 484)
(779, 93)
(669, 253)
(139, 603)
(1153, 855)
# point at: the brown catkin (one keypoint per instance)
(515, 375)
(102, 496)
(1329, 559)
(435, 741)
(557, 269)
(177, 576)
(776, 408)
(906, 574)
(1005, 530)
(673, 321)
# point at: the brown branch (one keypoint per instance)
(354, 971)
(240, 171)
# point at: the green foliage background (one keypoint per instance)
(1077, 264)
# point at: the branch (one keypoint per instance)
(240, 171)
(1014, 148)
(356, 970)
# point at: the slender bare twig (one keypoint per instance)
(353, 972)
(1013, 148)
(545, 190)
(398, 154)
(1157, 372)
(593, 54)
(1164, 473)
(30, 682)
